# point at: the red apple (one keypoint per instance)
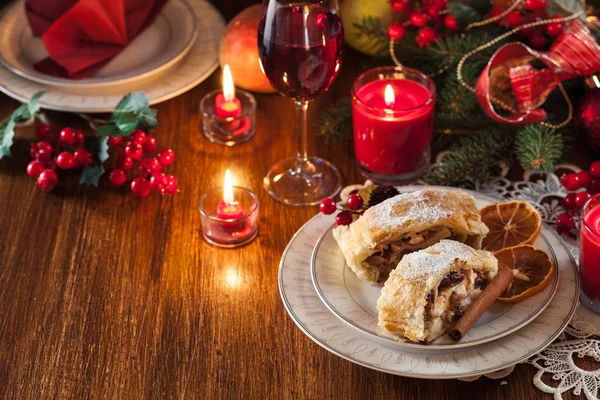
(239, 49)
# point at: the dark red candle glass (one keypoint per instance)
(392, 138)
(589, 256)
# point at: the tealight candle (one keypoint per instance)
(392, 111)
(228, 115)
(229, 215)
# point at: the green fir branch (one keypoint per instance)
(539, 147)
(335, 122)
(473, 158)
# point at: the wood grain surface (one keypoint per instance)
(107, 296)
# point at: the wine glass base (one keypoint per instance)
(299, 182)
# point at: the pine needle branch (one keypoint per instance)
(335, 122)
(539, 147)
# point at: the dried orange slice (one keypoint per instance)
(532, 269)
(511, 224)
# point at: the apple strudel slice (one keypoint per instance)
(431, 288)
(375, 243)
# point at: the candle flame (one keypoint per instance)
(228, 189)
(228, 87)
(389, 96)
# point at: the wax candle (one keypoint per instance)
(393, 120)
(229, 209)
(226, 104)
(589, 258)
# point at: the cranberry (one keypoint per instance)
(355, 202)
(581, 198)
(343, 218)
(140, 187)
(65, 160)
(117, 177)
(47, 179)
(43, 131)
(569, 201)
(451, 22)
(571, 182)
(396, 31)
(418, 19)
(34, 169)
(68, 136)
(114, 141)
(585, 179)
(150, 145)
(513, 19)
(327, 206)
(595, 169)
(399, 5)
(166, 156)
(564, 223)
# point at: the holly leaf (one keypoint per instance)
(109, 129)
(464, 14)
(133, 112)
(90, 176)
(7, 132)
(23, 113)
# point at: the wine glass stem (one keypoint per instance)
(301, 113)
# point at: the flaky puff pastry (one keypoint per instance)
(408, 213)
(404, 297)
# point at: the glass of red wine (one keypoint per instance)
(300, 48)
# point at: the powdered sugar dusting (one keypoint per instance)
(433, 261)
(385, 216)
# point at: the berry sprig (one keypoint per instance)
(529, 11)
(431, 17)
(574, 201)
(138, 148)
(63, 150)
(357, 203)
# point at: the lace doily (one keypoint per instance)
(556, 364)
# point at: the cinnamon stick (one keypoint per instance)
(488, 296)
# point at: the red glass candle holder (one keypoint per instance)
(224, 128)
(589, 256)
(392, 138)
(229, 225)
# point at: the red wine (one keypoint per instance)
(300, 49)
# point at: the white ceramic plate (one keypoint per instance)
(314, 319)
(160, 46)
(355, 302)
(201, 61)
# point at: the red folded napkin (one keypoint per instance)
(81, 36)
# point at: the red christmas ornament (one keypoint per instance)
(588, 114)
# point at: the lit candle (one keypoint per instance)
(393, 122)
(229, 208)
(226, 104)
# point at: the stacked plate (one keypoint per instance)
(174, 54)
(338, 311)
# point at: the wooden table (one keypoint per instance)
(107, 296)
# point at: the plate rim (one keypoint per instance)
(97, 83)
(89, 104)
(415, 346)
(407, 345)
(320, 342)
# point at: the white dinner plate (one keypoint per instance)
(200, 62)
(314, 319)
(160, 46)
(355, 302)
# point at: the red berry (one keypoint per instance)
(327, 206)
(554, 28)
(125, 163)
(513, 19)
(150, 144)
(496, 10)
(166, 157)
(44, 151)
(34, 169)
(47, 179)
(43, 131)
(117, 177)
(152, 165)
(157, 179)
(138, 137)
(399, 5)
(396, 31)
(82, 158)
(569, 201)
(571, 182)
(79, 137)
(451, 22)
(426, 36)
(354, 202)
(65, 160)
(343, 218)
(170, 185)
(536, 5)
(418, 19)
(134, 150)
(536, 40)
(433, 10)
(595, 186)
(585, 179)
(140, 187)
(581, 198)
(564, 223)
(114, 141)
(68, 136)
(595, 169)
